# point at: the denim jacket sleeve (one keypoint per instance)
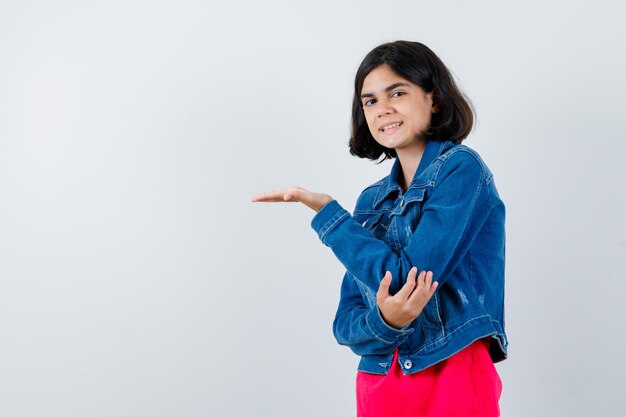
(458, 205)
(361, 327)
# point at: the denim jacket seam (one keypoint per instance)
(469, 264)
(482, 171)
(487, 176)
(360, 211)
(333, 224)
(476, 195)
(488, 182)
(443, 329)
(421, 185)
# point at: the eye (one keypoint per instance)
(398, 94)
(369, 102)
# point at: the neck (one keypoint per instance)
(409, 161)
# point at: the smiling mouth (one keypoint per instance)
(390, 126)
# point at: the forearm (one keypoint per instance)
(361, 253)
(364, 331)
(359, 325)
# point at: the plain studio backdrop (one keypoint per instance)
(137, 279)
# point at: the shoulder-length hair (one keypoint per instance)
(417, 63)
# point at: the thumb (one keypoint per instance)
(293, 193)
(383, 289)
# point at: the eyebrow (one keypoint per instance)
(391, 87)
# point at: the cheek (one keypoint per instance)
(370, 124)
(422, 116)
(428, 116)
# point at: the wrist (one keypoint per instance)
(322, 202)
(390, 322)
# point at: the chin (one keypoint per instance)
(394, 142)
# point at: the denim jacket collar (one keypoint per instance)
(390, 184)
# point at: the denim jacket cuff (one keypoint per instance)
(382, 330)
(328, 217)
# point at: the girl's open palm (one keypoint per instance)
(310, 199)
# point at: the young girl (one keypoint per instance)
(427, 348)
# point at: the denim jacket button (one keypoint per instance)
(408, 364)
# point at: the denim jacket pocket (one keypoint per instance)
(412, 201)
(408, 213)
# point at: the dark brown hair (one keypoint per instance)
(417, 63)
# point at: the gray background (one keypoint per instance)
(136, 278)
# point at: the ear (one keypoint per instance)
(433, 107)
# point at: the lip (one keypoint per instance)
(388, 131)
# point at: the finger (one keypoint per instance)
(270, 196)
(420, 287)
(430, 284)
(383, 288)
(278, 195)
(421, 279)
(409, 285)
(428, 279)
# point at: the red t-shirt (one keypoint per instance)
(464, 385)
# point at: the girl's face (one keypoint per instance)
(397, 111)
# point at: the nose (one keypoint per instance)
(384, 107)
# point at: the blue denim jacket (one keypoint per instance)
(450, 221)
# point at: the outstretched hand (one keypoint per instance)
(406, 305)
(294, 194)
